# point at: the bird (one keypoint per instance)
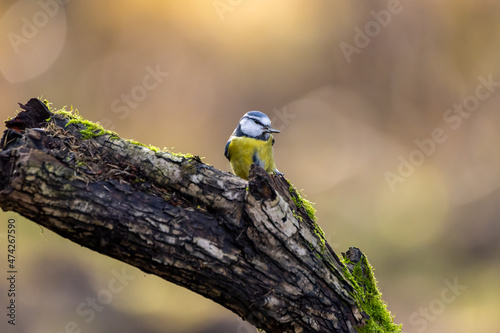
(251, 143)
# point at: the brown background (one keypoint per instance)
(346, 123)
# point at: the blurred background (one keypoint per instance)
(389, 117)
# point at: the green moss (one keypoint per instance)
(157, 150)
(297, 216)
(321, 236)
(301, 202)
(307, 205)
(188, 155)
(150, 147)
(369, 299)
(46, 102)
(90, 129)
(138, 180)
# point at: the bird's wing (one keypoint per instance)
(226, 150)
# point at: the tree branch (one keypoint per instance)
(250, 246)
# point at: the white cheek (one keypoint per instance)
(251, 129)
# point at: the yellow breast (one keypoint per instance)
(244, 151)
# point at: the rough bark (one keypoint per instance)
(246, 245)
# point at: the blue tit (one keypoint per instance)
(251, 143)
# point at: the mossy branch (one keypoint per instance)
(254, 247)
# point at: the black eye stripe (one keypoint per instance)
(257, 122)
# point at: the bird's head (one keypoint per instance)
(255, 124)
